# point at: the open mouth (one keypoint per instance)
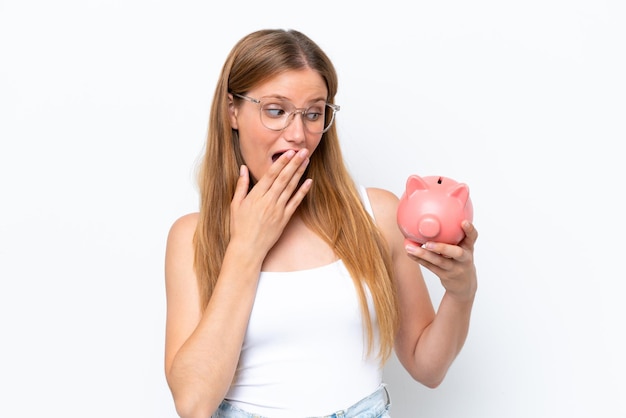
(277, 155)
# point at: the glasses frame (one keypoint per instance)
(291, 115)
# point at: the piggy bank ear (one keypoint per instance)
(460, 191)
(414, 183)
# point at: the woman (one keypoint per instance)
(290, 288)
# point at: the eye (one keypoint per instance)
(314, 112)
(274, 110)
(313, 116)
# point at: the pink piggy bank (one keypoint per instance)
(432, 209)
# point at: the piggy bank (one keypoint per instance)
(432, 209)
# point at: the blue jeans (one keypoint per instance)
(376, 405)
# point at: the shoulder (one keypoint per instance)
(180, 239)
(384, 204)
(385, 207)
(184, 226)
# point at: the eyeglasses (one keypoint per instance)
(277, 114)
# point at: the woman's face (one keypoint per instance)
(261, 146)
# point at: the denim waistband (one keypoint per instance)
(376, 405)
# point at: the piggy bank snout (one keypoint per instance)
(429, 226)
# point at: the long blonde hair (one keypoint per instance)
(332, 208)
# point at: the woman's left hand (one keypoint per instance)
(453, 264)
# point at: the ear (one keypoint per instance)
(415, 182)
(232, 112)
(461, 192)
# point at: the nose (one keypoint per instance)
(295, 130)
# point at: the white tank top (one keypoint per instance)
(305, 349)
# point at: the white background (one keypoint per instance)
(103, 112)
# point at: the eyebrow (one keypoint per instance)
(280, 97)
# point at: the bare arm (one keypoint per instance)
(202, 348)
(427, 342)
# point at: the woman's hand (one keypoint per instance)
(259, 216)
(453, 264)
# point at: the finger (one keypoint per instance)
(268, 179)
(428, 254)
(243, 182)
(284, 175)
(471, 235)
(297, 197)
(435, 269)
(436, 264)
(446, 250)
(292, 183)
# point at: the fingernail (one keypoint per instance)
(410, 248)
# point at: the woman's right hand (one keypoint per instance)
(259, 216)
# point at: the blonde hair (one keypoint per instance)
(332, 208)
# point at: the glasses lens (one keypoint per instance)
(278, 114)
(275, 114)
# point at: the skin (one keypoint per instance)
(267, 236)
